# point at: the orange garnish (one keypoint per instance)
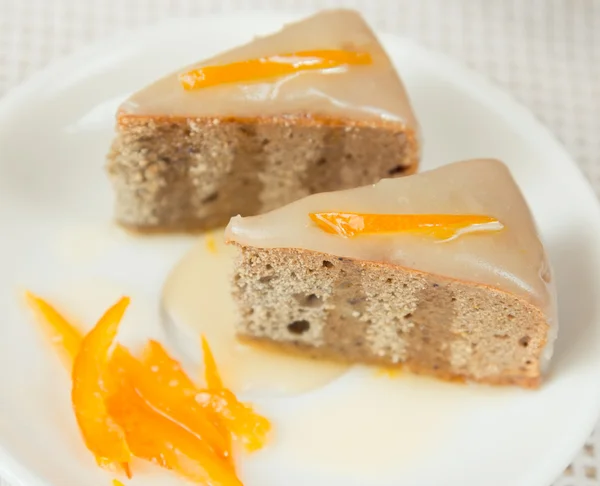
(92, 384)
(156, 438)
(211, 373)
(245, 424)
(64, 336)
(271, 67)
(150, 408)
(441, 226)
(173, 397)
(224, 410)
(169, 372)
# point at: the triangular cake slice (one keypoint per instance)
(442, 272)
(245, 138)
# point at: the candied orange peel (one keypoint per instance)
(211, 373)
(65, 337)
(245, 425)
(92, 384)
(148, 407)
(271, 67)
(439, 226)
(160, 439)
(87, 357)
(161, 381)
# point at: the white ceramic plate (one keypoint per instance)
(55, 220)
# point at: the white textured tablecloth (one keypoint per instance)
(545, 52)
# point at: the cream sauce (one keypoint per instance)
(197, 295)
(367, 429)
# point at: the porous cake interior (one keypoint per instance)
(187, 174)
(341, 308)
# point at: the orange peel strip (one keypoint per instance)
(243, 422)
(441, 226)
(211, 372)
(65, 337)
(151, 409)
(156, 438)
(92, 383)
(173, 398)
(270, 67)
(168, 372)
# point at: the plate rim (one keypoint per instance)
(10, 466)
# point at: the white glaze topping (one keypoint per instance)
(360, 92)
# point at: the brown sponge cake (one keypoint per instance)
(189, 160)
(477, 307)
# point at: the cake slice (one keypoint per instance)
(314, 107)
(442, 272)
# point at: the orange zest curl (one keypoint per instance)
(149, 408)
(211, 373)
(245, 425)
(64, 336)
(162, 382)
(439, 226)
(271, 67)
(92, 384)
(161, 440)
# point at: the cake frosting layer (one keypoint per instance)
(512, 260)
(354, 92)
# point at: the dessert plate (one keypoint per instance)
(58, 239)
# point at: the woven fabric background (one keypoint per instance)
(546, 53)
